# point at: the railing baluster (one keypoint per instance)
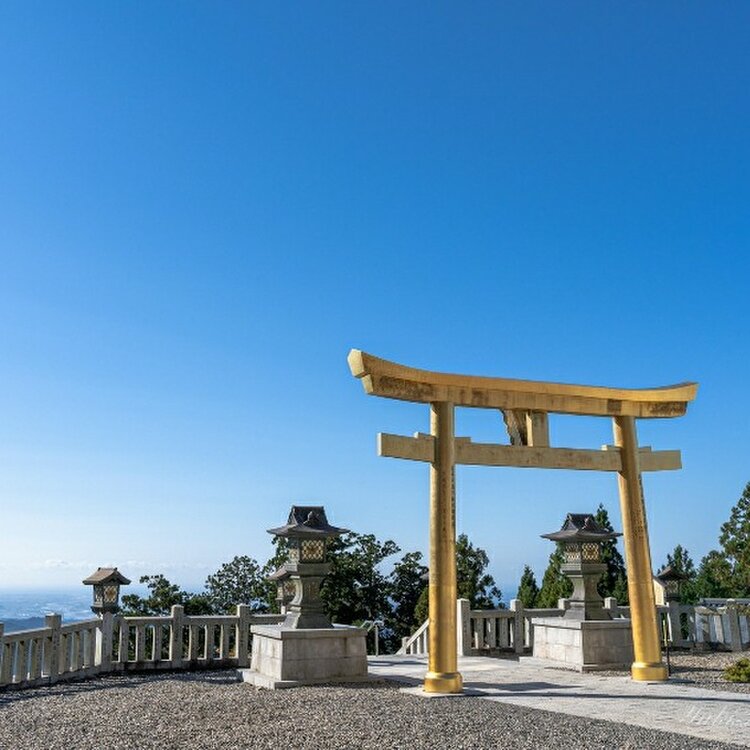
(21, 669)
(123, 642)
(35, 659)
(156, 647)
(192, 642)
(209, 642)
(223, 641)
(140, 643)
(6, 674)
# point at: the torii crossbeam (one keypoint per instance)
(525, 405)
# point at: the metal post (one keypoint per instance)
(442, 675)
(646, 647)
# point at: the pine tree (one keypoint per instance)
(406, 584)
(614, 582)
(714, 577)
(735, 542)
(555, 585)
(528, 590)
(472, 580)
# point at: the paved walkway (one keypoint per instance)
(671, 706)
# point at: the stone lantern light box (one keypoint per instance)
(581, 538)
(672, 580)
(106, 584)
(307, 532)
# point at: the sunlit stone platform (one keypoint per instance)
(667, 706)
(288, 657)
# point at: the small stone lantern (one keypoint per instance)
(306, 532)
(285, 588)
(581, 538)
(672, 581)
(106, 583)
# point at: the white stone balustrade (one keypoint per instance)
(722, 623)
(114, 643)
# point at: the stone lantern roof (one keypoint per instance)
(107, 575)
(669, 573)
(581, 527)
(307, 521)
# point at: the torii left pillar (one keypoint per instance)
(442, 675)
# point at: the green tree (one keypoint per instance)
(472, 580)
(735, 543)
(239, 581)
(356, 590)
(714, 577)
(279, 557)
(528, 590)
(614, 582)
(555, 585)
(162, 596)
(406, 584)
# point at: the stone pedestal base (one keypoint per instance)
(286, 657)
(582, 645)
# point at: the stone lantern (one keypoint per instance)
(672, 580)
(285, 588)
(305, 649)
(307, 532)
(586, 638)
(106, 583)
(581, 538)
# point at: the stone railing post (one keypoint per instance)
(463, 627)
(735, 634)
(675, 626)
(51, 666)
(563, 604)
(175, 635)
(610, 605)
(244, 613)
(519, 625)
(103, 658)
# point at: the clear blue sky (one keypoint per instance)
(203, 206)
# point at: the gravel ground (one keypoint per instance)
(213, 710)
(704, 669)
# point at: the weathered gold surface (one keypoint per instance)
(525, 405)
(646, 646)
(391, 380)
(422, 448)
(442, 676)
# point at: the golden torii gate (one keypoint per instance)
(525, 405)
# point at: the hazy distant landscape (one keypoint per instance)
(21, 609)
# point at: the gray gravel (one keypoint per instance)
(704, 669)
(212, 710)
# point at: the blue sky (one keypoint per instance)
(204, 206)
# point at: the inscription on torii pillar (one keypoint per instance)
(525, 405)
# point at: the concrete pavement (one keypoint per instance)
(670, 707)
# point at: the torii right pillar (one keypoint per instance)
(646, 645)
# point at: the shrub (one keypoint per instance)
(738, 672)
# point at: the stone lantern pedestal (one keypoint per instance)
(585, 638)
(306, 649)
(582, 645)
(288, 657)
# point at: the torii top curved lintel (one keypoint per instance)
(391, 380)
